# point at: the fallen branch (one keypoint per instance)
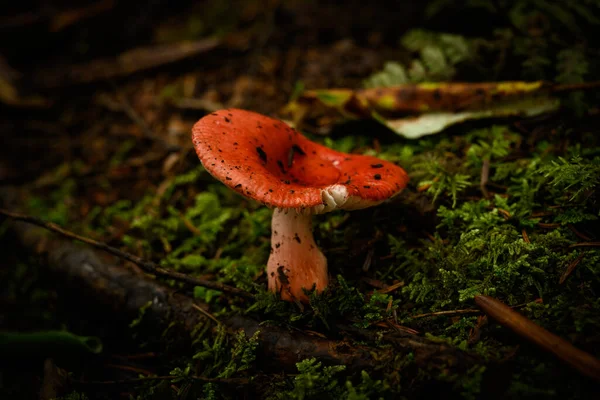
(137, 381)
(447, 313)
(97, 277)
(148, 266)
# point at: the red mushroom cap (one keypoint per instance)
(266, 160)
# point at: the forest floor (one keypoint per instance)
(96, 108)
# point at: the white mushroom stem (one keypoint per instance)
(295, 262)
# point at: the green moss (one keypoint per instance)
(314, 382)
(73, 396)
(473, 245)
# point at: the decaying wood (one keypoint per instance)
(103, 279)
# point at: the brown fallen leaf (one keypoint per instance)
(69, 17)
(9, 92)
(126, 63)
(522, 326)
(418, 109)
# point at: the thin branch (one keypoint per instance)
(586, 244)
(570, 268)
(578, 359)
(391, 288)
(148, 266)
(209, 315)
(228, 381)
(485, 177)
(567, 87)
(449, 312)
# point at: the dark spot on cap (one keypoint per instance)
(261, 154)
(239, 185)
(281, 167)
(297, 238)
(377, 177)
(226, 119)
(367, 187)
(376, 165)
(298, 149)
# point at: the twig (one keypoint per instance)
(129, 368)
(148, 266)
(575, 86)
(400, 328)
(586, 244)
(449, 312)
(229, 381)
(525, 236)
(571, 268)
(578, 359)
(391, 288)
(485, 176)
(203, 311)
(547, 225)
(579, 234)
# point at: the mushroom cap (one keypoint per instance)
(264, 159)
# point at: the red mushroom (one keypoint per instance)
(264, 159)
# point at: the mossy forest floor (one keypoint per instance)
(111, 159)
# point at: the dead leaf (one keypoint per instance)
(416, 110)
(126, 63)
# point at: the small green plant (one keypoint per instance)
(438, 55)
(315, 381)
(440, 176)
